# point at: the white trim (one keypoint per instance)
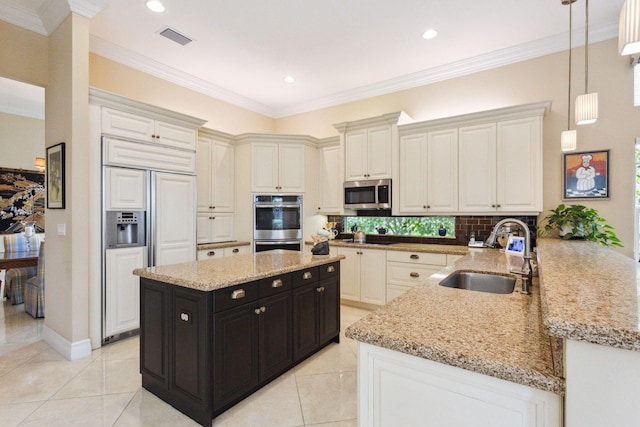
(22, 17)
(70, 350)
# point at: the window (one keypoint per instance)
(430, 226)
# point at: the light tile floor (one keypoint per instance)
(39, 387)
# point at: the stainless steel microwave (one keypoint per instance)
(369, 194)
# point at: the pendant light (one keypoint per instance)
(629, 30)
(587, 104)
(568, 138)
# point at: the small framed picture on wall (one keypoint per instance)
(55, 176)
(586, 175)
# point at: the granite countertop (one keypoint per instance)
(405, 247)
(589, 293)
(220, 245)
(497, 335)
(212, 274)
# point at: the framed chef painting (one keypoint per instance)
(586, 175)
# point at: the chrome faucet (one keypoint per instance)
(526, 272)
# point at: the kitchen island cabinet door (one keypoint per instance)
(305, 321)
(329, 310)
(236, 354)
(154, 335)
(275, 335)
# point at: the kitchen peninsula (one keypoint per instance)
(214, 331)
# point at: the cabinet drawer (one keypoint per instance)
(234, 296)
(303, 277)
(329, 270)
(417, 257)
(209, 254)
(236, 250)
(274, 285)
(402, 273)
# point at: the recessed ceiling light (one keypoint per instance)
(289, 79)
(429, 34)
(155, 5)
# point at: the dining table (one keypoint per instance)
(10, 260)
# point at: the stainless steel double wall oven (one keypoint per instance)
(277, 222)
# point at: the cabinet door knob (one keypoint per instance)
(307, 275)
(276, 283)
(235, 250)
(237, 294)
(256, 311)
(414, 256)
(212, 217)
(424, 206)
(211, 253)
(263, 309)
(331, 269)
(498, 206)
(414, 274)
(320, 289)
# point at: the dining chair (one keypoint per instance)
(15, 278)
(34, 289)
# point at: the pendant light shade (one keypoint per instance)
(587, 104)
(568, 140)
(629, 29)
(587, 108)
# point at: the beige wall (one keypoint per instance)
(535, 80)
(23, 55)
(117, 78)
(21, 141)
(67, 112)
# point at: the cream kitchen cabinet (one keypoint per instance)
(362, 275)
(277, 167)
(215, 227)
(500, 167)
(368, 153)
(144, 128)
(329, 180)
(407, 269)
(216, 166)
(428, 172)
(125, 189)
(223, 252)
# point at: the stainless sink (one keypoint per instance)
(482, 282)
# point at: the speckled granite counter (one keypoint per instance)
(211, 274)
(221, 245)
(497, 335)
(589, 293)
(405, 247)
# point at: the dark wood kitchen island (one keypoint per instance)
(214, 331)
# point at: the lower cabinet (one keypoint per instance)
(222, 252)
(204, 351)
(316, 312)
(364, 275)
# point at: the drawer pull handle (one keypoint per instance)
(237, 294)
(236, 250)
(331, 269)
(414, 256)
(211, 253)
(307, 275)
(414, 274)
(276, 283)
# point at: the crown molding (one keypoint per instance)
(522, 52)
(139, 62)
(87, 8)
(22, 17)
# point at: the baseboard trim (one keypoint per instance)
(70, 350)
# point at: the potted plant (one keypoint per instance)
(578, 221)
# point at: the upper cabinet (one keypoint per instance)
(125, 189)
(501, 166)
(277, 167)
(216, 170)
(428, 173)
(132, 120)
(370, 146)
(329, 181)
(479, 163)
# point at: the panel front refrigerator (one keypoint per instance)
(168, 237)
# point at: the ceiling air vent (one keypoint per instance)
(175, 36)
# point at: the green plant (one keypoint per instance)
(579, 221)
